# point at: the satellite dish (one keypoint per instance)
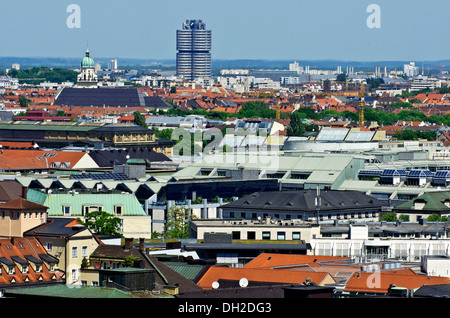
(215, 285)
(243, 282)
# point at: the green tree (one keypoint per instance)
(389, 217)
(164, 134)
(437, 218)
(297, 127)
(173, 89)
(101, 222)
(23, 101)
(130, 261)
(177, 225)
(139, 119)
(341, 77)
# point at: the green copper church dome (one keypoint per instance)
(87, 61)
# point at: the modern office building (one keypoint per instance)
(193, 46)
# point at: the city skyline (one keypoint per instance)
(283, 30)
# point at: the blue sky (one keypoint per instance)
(242, 29)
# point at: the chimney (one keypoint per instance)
(128, 243)
(24, 192)
(141, 244)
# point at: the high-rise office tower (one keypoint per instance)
(194, 46)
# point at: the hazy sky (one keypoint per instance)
(241, 29)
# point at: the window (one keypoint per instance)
(74, 274)
(236, 235)
(49, 246)
(84, 251)
(91, 208)
(95, 283)
(281, 236)
(266, 235)
(66, 210)
(251, 235)
(24, 269)
(296, 235)
(38, 268)
(11, 270)
(74, 252)
(118, 209)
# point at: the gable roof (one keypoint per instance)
(434, 202)
(24, 251)
(379, 282)
(101, 96)
(304, 200)
(22, 204)
(16, 159)
(108, 158)
(9, 190)
(215, 273)
(60, 227)
(270, 260)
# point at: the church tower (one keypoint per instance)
(87, 77)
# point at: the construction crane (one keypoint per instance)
(395, 80)
(441, 68)
(361, 106)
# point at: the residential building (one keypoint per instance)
(19, 215)
(193, 46)
(24, 262)
(67, 241)
(69, 203)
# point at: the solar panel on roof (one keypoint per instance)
(442, 174)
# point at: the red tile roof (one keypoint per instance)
(380, 281)
(215, 273)
(22, 247)
(269, 260)
(34, 159)
(22, 204)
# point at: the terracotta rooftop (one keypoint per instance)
(270, 260)
(215, 273)
(22, 204)
(26, 251)
(379, 282)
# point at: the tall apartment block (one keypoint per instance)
(194, 46)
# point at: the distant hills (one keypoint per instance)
(26, 62)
